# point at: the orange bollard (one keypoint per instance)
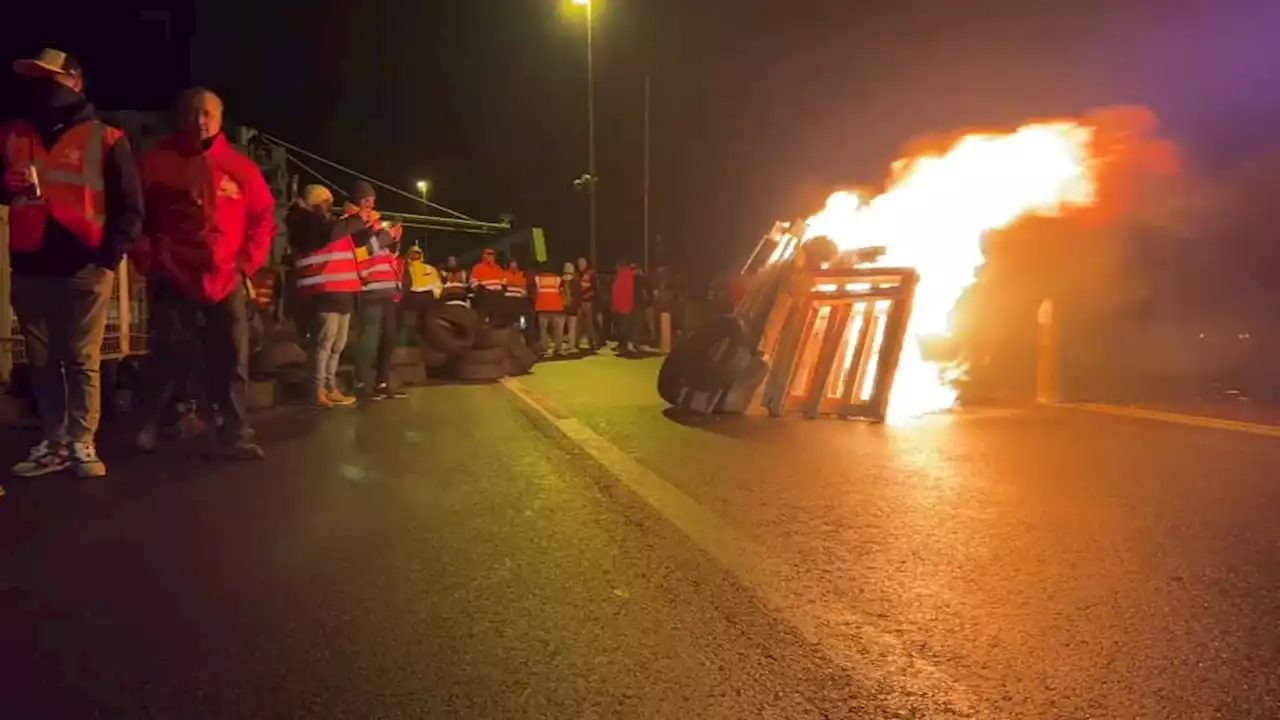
(1046, 354)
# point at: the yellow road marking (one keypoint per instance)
(872, 657)
(1177, 418)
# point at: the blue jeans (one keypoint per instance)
(330, 333)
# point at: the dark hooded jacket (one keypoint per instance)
(52, 109)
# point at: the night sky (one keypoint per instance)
(759, 108)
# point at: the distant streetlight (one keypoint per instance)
(590, 184)
(424, 187)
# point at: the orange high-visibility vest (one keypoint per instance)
(515, 284)
(487, 276)
(548, 298)
(70, 180)
(263, 287)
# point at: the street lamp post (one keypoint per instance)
(424, 187)
(588, 5)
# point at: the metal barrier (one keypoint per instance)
(127, 315)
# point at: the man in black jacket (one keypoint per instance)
(378, 330)
(75, 208)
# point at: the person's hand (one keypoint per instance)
(18, 178)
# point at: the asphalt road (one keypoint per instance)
(465, 553)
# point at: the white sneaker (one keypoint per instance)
(44, 458)
(85, 461)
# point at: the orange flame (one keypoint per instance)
(938, 206)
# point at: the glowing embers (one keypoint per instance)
(838, 349)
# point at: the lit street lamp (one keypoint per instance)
(424, 187)
(590, 178)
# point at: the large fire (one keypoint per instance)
(937, 208)
(940, 204)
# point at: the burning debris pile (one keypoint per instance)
(849, 311)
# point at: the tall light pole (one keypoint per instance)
(588, 5)
(424, 187)
(647, 96)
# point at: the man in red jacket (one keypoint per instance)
(209, 223)
(624, 289)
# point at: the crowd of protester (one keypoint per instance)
(580, 311)
(197, 219)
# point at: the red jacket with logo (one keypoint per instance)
(210, 217)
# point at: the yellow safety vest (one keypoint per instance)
(424, 277)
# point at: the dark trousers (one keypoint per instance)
(185, 331)
(623, 330)
(378, 336)
(488, 304)
(415, 309)
(518, 311)
(63, 321)
(588, 324)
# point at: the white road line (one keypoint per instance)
(1177, 418)
(875, 659)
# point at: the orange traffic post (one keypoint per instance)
(1047, 354)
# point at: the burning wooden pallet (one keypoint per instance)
(818, 332)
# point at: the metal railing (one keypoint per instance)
(127, 315)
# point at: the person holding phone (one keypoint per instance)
(75, 208)
(381, 271)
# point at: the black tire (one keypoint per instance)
(492, 336)
(433, 358)
(506, 311)
(703, 361)
(518, 366)
(459, 315)
(738, 397)
(481, 372)
(484, 356)
(522, 358)
(674, 369)
(523, 353)
(449, 337)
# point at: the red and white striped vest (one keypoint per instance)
(331, 269)
(379, 273)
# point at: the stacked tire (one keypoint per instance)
(466, 348)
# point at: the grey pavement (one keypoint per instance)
(1048, 563)
(458, 555)
(444, 556)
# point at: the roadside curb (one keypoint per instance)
(1203, 421)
